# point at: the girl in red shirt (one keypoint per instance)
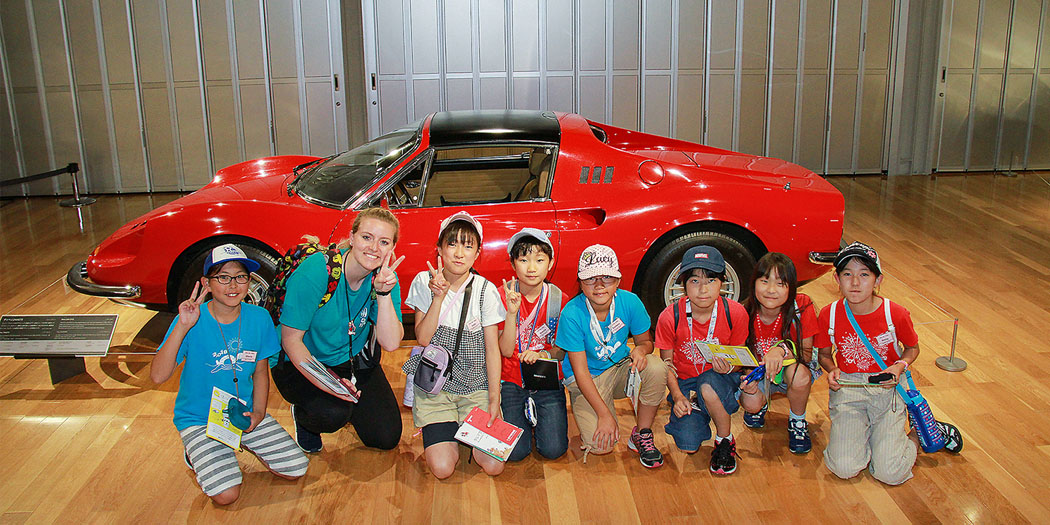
(868, 421)
(777, 312)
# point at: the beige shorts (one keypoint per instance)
(610, 385)
(444, 407)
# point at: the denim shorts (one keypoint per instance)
(552, 422)
(695, 428)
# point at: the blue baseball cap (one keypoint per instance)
(226, 253)
(706, 257)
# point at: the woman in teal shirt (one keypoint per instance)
(367, 298)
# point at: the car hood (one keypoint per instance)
(765, 169)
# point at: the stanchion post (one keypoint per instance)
(952, 363)
(77, 201)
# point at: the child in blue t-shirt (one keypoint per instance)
(225, 345)
(594, 329)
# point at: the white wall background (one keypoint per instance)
(149, 95)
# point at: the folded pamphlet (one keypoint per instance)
(325, 376)
(735, 355)
(497, 441)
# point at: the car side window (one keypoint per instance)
(487, 174)
(407, 187)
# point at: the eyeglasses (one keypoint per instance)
(605, 279)
(225, 279)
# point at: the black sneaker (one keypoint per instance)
(798, 436)
(308, 441)
(723, 458)
(642, 443)
(952, 437)
(756, 420)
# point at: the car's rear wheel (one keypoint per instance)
(257, 285)
(659, 284)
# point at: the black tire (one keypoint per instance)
(658, 287)
(260, 280)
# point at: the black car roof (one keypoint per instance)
(455, 128)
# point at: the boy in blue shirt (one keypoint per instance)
(225, 345)
(594, 329)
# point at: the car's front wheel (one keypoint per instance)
(257, 285)
(659, 283)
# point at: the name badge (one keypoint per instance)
(474, 325)
(616, 325)
(247, 356)
(542, 331)
(885, 338)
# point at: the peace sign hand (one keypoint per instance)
(386, 279)
(513, 297)
(438, 285)
(189, 310)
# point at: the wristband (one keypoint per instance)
(902, 361)
(383, 293)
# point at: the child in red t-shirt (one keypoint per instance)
(703, 316)
(869, 424)
(778, 312)
(533, 309)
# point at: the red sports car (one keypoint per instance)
(648, 197)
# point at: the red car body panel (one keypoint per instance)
(631, 192)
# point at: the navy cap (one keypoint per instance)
(706, 257)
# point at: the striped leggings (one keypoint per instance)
(215, 464)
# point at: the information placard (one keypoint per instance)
(77, 335)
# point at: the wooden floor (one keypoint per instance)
(101, 447)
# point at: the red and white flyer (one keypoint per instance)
(497, 441)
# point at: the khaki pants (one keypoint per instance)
(610, 385)
(869, 428)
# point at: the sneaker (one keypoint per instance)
(642, 443)
(756, 420)
(953, 438)
(723, 458)
(308, 441)
(798, 436)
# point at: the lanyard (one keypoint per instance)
(600, 336)
(710, 324)
(525, 336)
(226, 349)
(775, 328)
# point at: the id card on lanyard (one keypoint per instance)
(527, 328)
(602, 337)
(711, 324)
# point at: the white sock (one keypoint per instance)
(718, 439)
(793, 416)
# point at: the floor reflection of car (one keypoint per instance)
(650, 198)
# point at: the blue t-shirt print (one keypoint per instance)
(211, 360)
(574, 332)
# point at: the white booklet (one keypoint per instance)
(328, 379)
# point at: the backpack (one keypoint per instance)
(725, 306)
(274, 299)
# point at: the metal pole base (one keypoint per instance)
(63, 368)
(951, 364)
(76, 203)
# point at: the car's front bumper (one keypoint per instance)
(77, 279)
(826, 257)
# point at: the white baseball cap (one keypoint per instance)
(596, 260)
(538, 234)
(461, 216)
(226, 253)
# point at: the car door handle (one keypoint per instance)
(580, 218)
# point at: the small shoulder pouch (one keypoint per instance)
(435, 361)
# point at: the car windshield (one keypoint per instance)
(342, 177)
